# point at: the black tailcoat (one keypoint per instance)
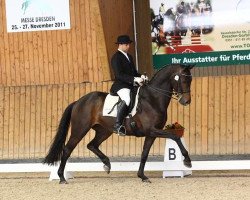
(124, 72)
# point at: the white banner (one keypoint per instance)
(37, 15)
(200, 31)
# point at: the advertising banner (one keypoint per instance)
(37, 15)
(204, 32)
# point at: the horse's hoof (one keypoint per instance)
(187, 163)
(146, 181)
(106, 169)
(63, 182)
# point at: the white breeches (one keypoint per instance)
(124, 94)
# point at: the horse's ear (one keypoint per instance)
(189, 66)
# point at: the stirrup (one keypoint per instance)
(120, 133)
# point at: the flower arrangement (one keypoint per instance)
(176, 128)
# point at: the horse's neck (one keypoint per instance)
(161, 88)
(162, 83)
(161, 92)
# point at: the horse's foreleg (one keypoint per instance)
(184, 152)
(146, 148)
(166, 134)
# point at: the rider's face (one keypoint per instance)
(124, 47)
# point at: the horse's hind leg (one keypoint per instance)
(75, 138)
(101, 135)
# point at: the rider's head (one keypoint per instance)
(123, 42)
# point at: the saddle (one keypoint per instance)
(111, 101)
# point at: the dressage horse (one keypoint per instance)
(172, 81)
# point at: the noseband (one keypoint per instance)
(170, 94)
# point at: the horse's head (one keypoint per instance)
(173, 80)
(181, 82)
(169, 12)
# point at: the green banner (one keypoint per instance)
(204, 59)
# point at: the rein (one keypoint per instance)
(170, 93)
(164, 92)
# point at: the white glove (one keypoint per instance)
(138, 81)
(144, 77)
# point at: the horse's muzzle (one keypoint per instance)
(185, 99)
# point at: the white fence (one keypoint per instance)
(174, 165)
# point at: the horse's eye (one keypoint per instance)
(176, 77)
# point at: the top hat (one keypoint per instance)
(123, 39)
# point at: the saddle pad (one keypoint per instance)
(111, 100)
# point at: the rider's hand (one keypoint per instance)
(138, 80)
(145, 78)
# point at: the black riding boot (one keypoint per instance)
(122, 109)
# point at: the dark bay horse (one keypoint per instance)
(154, 98)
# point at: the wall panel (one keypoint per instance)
(117, 19)
(216, 123)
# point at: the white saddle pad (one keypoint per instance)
(109, 103)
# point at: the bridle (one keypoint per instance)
(180, 91)
(172, 94)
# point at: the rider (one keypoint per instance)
(162, 10)
(181, 8)
(126, 76)
(202, 6)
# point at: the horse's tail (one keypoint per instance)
(56, 149)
